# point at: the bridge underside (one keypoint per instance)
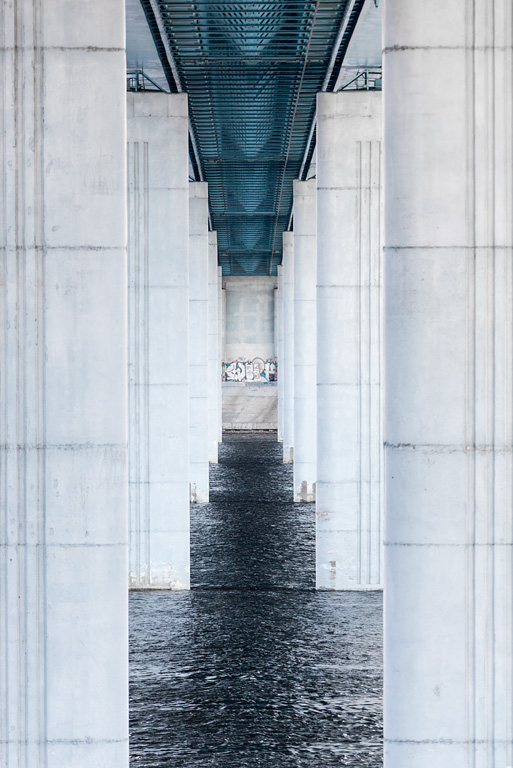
(388, 324)
(251, 71)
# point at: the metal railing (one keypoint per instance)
(137, 80)
(367, 80)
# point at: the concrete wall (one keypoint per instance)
(249, 335)
(249, 318)
(249, 405)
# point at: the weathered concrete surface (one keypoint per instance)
(214, 357)
(158, 344)
(349, 311)
(198, 341)
(250, 406)
(249, 318)
(287, 367)
(279, 350)
(305, 340)
(449, 383)
(220, 346)
(63, 386)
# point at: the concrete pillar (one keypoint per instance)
(305, 341)
(158, 237)
(223, 291)
(279, 352)
(63, 385)
(220, 354)
(349, 484)
(213, 349)
(275, 320)
(288, 347)
(198, 340)
(449, 389)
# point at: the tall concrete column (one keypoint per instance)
(279, 352)
(305, 341)
(275, 319)
(350, 466)
(213, 349)
(449, 389)
(223, 304)
(288, 347)
(198, 340)
(220, 353)
(158, 348)
(63, 385)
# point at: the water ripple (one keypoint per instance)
(253, 667)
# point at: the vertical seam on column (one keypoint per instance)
(470, 404)
(508, 369)
(21, 388)
(4, 596)
(132, 377)
(41, 385)
(486, 331)
(136, 364)
(359, 347)
(369, 380)
(147, 497)
(493, 319)
(379, 526)
(17, 395)
(130, 365)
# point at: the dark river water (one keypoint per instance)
(253, 667)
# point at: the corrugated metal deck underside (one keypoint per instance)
(252, 71)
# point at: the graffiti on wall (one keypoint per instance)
(257, 370)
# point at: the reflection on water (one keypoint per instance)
(253, 667)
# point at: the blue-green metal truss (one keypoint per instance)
(252, 71)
